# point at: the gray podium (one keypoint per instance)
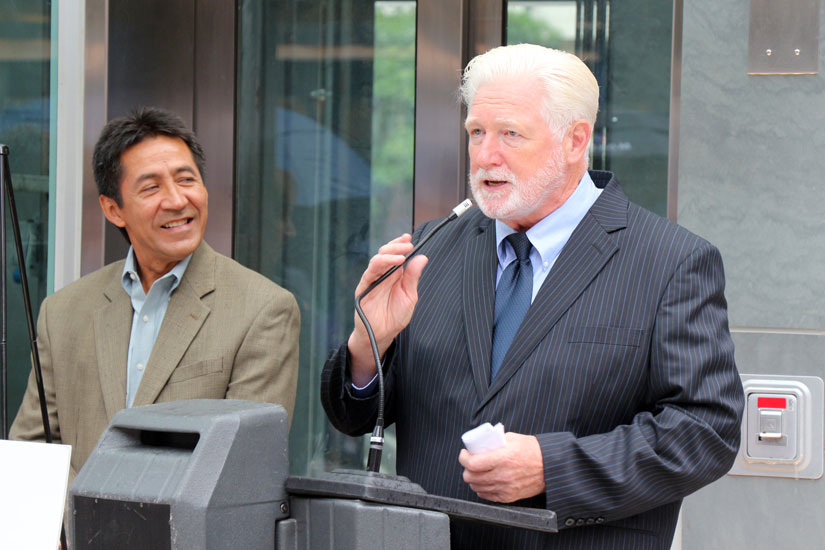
(213, 474)
(203, 474)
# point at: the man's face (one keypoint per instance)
(517, 165)
(165, 203)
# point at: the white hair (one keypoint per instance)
(571, 90)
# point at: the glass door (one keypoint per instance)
(324, 169)
(25, 65)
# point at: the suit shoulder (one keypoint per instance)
(662, 235)
(89, 285)
(614, 210)
(232, 273)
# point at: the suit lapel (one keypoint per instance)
(113, 326)
(478, 299)
(184, 317)
(587, 251)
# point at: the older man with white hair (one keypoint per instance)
(595, 331)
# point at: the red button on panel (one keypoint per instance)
(771, 403)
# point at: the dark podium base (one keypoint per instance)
(400, 491)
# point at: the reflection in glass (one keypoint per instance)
(324, 172)
(25, 29)
(627, 45)
(551, 24)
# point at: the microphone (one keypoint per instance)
(377, 438)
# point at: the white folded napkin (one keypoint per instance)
(484, 438)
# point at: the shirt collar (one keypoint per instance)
(130, 275)
(550, 234)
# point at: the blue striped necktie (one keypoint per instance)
(513, 296)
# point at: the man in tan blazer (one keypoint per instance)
(175, 320)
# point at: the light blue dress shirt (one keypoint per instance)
(549, 235)
(548, 238)
(149, 310)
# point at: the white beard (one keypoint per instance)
(519, 199)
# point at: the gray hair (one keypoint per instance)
(571, 90)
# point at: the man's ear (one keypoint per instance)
(576, 141)
(111, 210)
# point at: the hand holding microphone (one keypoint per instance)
(389, 307)
(393, 306)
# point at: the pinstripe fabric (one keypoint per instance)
(623, 369)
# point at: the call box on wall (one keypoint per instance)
(782, 427)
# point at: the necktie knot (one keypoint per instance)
(521, 245)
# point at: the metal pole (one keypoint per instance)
(7, 190)
(4, 420)
(27, 302)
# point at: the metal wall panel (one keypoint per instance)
(214, 112)
(440, 166)
(94, 117)
(784, 37)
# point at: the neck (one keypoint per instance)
(569, 185)
(149, 273)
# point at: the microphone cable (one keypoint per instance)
(377, 437)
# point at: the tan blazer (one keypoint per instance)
(228, 333)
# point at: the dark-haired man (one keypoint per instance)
(175, 319)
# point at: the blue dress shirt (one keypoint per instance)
(149, 310)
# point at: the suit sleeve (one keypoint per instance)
(688, 438)
(28, 425)
(349, 413)
(265, 367)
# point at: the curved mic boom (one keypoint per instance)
(377, 438)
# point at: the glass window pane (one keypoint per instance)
(25, 28)
(324, 172)
(627, 45)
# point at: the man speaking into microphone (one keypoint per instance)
(595, 331)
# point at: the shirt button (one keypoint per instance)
(546, 265)
(133, 276)
(140, 366)
(145, 318)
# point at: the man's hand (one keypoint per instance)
(508, 474)
(388, 307)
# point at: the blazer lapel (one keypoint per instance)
(478, 299)
(184, 317)
(113, 327)
(590, 247)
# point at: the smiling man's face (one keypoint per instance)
(517, 167)
(164, 204)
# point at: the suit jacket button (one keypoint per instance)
(590, 521)
(599, 520)
(579, 522)
(570, 522)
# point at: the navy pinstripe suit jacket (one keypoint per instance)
(623, 368)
